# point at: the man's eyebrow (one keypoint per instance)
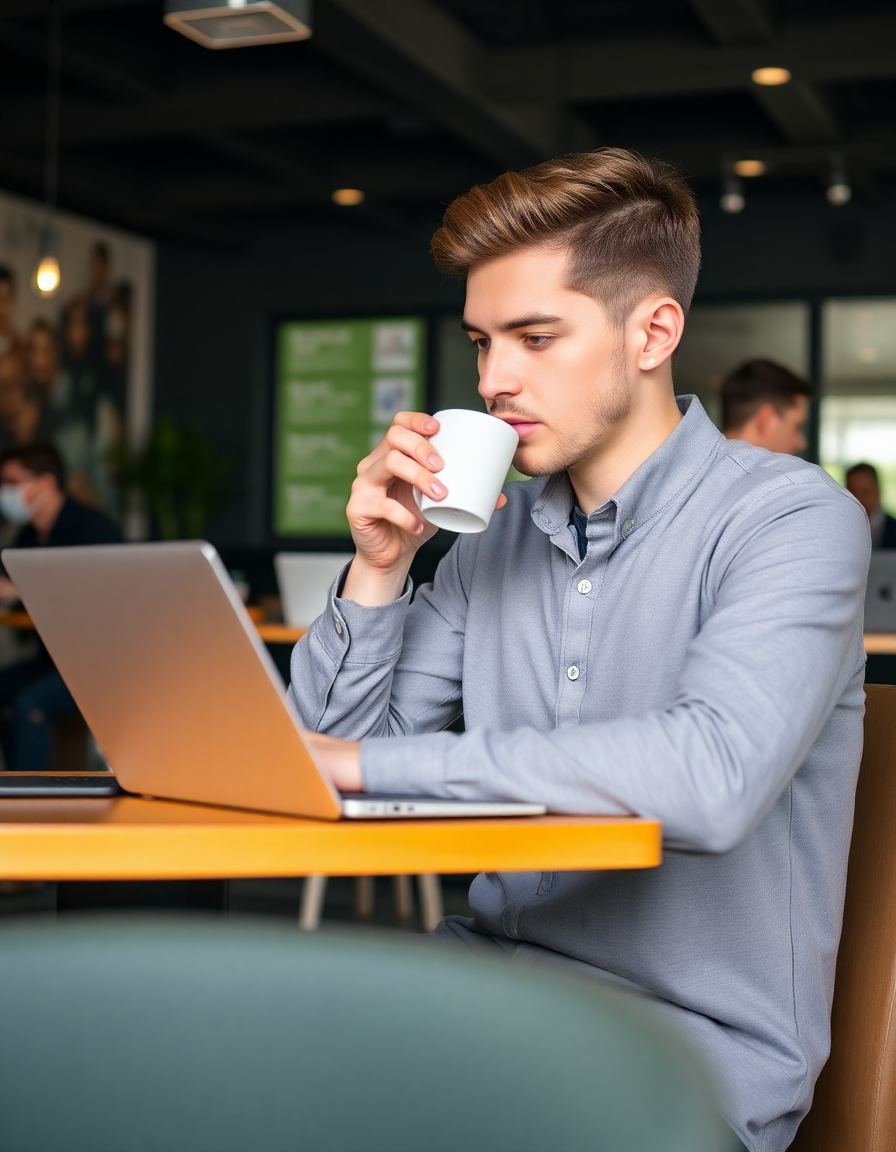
(510, 325)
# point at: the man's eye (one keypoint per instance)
(481, 344)
(538, 341)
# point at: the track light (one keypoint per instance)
(839, 191)
(732, 200)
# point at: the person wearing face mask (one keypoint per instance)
(32, 693)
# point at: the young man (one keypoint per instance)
(768, 406)
(862, 481)
(32, 693)
(661, 622)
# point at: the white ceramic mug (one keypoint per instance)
(477, 450)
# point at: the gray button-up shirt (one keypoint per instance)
(702, 665)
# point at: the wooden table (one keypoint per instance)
(132, 838)
(876, 643)
(880, 644)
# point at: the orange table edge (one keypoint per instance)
(132, 838)
(876, 643)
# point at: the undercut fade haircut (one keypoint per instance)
(630, 226)
(756, 383)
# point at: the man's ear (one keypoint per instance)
(659, 324)
(765, 417)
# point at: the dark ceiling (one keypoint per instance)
(414, 100)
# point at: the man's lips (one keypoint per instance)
(523, 428)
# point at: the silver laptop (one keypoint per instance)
(304, 580)
(178, 688)
(880, 594)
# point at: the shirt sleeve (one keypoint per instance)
(761, 678)
(388, 671)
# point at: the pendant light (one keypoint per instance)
(47, 276)
(239, 23)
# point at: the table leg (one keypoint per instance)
(313, 892)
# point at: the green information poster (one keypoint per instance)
(339, 384)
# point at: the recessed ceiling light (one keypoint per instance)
(348, 197)
(771, 77)
(750, 167)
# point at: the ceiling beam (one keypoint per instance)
(797, 109)
(100, 66)
(195, 108)
(420, 54)
(100, 190)
(799, 112)
(393, 181)
(737, 21)
(815, 50)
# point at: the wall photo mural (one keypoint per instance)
(75, 368)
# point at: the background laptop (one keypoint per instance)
(880, 594)
(178, 688)
(304, 579)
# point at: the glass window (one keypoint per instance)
(858, 408)
(720, 337)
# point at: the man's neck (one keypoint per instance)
(47, 515)
(626, 447)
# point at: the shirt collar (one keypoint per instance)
(664, 475)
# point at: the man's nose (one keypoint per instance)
(496, 376)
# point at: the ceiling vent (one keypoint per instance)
(239, 23)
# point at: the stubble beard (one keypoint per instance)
(605, 413)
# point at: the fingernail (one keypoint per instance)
(429, 425)
(435, 461)
(436, 489)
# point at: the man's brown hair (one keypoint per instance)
(630, 225)
(756, 383)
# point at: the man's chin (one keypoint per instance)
(530, 464)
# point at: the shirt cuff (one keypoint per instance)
(354, 634)
(406, 765)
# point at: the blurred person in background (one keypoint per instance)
(862, 481)
(99, 295)
(23, 415)
(10, 340)
(767, 405)
(32, 693)
(42, 358)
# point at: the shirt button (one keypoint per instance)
(627, 526)
(584, 586)
(572, 672)
(338, 627)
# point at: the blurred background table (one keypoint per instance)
(270, 633)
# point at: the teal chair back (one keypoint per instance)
(177, 1037)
